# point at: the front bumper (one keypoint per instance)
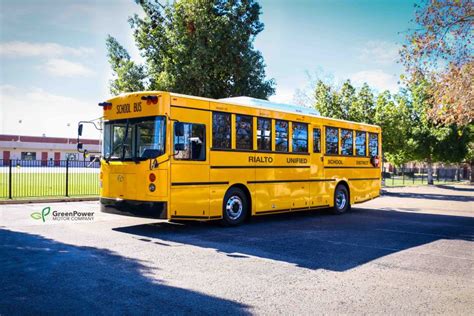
(145, 209)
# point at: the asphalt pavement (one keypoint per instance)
(409, 251)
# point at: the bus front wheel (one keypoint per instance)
(341, 200)
(235, 207)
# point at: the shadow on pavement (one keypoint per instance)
(429, 196)
(465, 188)
(42, 276)
(315, 240)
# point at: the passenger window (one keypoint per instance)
(373, 144)
(300, 138)
(347, 146)
(360, 143)
(243, 132)
(316, 140)
(189, 141)
(264, 134)
(281, 135)
(332, 139)
(221, 130)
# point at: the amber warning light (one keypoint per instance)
(150, 99)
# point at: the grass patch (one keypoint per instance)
(45, 184)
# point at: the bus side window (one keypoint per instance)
(332, 141)
(347, 146)
(189, 141)
(300, 137)
(264, 134)
(281, 135)
(360, 143)
(316, 140)
(221, 130)
(373, 145)
(243, 132)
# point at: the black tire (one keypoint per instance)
(234, 207)
(341, 200)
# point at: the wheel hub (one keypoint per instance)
(234, 207)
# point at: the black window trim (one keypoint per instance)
(212, 134)
(287, 136)
(355, 144)
(271, 134)
(369, 154)
(320, 140)
(205, 142)
(307, 137)
(326, 143)
(340, 141)
(251, 131)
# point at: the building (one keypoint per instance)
(48, 150)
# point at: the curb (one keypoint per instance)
(50, 200)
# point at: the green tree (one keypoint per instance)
(440, 47)
(127, 76)
(201, 47)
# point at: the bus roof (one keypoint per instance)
(268, 105)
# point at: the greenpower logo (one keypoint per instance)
(42, 215)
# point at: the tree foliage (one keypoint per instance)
(197, 47)
(441, 49)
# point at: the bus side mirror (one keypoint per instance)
(178, 129)
(79, 130)
(79, 146)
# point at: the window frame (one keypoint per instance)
(365, 144)
(287, 136)
(368, 144)
(250, 117)
(320, 143)
(204, 143)
(271, 134)
(341, 141)
(293, 138)
(326, 140)
(230, 130)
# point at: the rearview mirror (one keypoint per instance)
(79, 146)
(178, 129)
(79, 130)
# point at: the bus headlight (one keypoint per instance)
(152, 187)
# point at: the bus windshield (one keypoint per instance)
(134, 139)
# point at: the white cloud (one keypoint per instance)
(377, 79)
(379, 52)
(29, 49)
(42, 112)
(65, 68)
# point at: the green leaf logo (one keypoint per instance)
(36, 215)
(44, 212)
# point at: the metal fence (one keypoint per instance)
(419, 176)
(48, 178)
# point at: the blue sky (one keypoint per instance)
(54, 70)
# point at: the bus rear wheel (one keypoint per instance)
(234, 208)
(341, 200)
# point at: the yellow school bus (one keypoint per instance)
(180, 157)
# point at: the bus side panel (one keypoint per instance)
(234, 168)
